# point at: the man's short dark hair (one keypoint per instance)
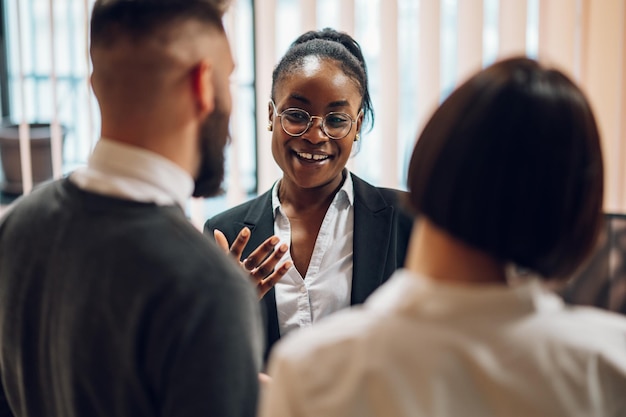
(138, 18)
(511, 164)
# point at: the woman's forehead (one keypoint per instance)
(318, 77)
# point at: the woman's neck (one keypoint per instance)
(436, 254)
(300, 198)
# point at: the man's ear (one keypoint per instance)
(93, 86)
(203, 88)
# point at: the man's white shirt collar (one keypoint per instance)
(129, 172)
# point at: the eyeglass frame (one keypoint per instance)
(310, 122)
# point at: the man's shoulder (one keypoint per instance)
(40, 201)
(172, 235)
(175, 258)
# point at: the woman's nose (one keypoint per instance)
(315, 133)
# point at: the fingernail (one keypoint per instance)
(245, 232)
(274, 240)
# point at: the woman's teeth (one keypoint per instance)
(311, 157)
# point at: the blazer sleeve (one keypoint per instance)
(257, 215)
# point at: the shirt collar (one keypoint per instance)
(134, 173)
(414, 294)
(347, 190)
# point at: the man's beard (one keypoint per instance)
(213, 138)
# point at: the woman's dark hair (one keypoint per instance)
(141, 18)
(331, 44)
(511, 164)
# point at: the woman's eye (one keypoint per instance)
(296, 116)
(337, 120)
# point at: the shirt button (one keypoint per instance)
(303, 289)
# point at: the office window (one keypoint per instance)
(48, 69)
(32, 50)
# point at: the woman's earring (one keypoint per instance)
(357, 137)
(269, 126)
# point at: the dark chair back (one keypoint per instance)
(601, 281)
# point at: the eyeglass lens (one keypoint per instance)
(335, 125)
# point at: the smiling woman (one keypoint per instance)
(322, 88)
(344, 236)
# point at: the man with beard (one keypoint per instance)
(111, 302)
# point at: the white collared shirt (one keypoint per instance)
(327, 286)
(120, 170)
(421, 348)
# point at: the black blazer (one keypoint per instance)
(381, 235)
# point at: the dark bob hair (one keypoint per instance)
(511, 164)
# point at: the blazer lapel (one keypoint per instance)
(260, 220)
(372, 233)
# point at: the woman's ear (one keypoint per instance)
(270, 115)
(203, 88)
(359, 121)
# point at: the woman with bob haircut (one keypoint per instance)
(507, 178)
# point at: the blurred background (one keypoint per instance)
(417, 51)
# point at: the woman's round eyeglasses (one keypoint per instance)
(295, 122)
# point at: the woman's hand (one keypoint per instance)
(261, 263)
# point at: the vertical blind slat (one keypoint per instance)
(558, 28)
(347, 24)
(265, 22)
(90, 119)
(512, 27)
(24, 130)
(308, 15)
(620, 183)
(389, 108)
(346, 15)
(602, 76)
(469, 38)
(429, 61)
(582, 42)
(234, 192)
(55, 128)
